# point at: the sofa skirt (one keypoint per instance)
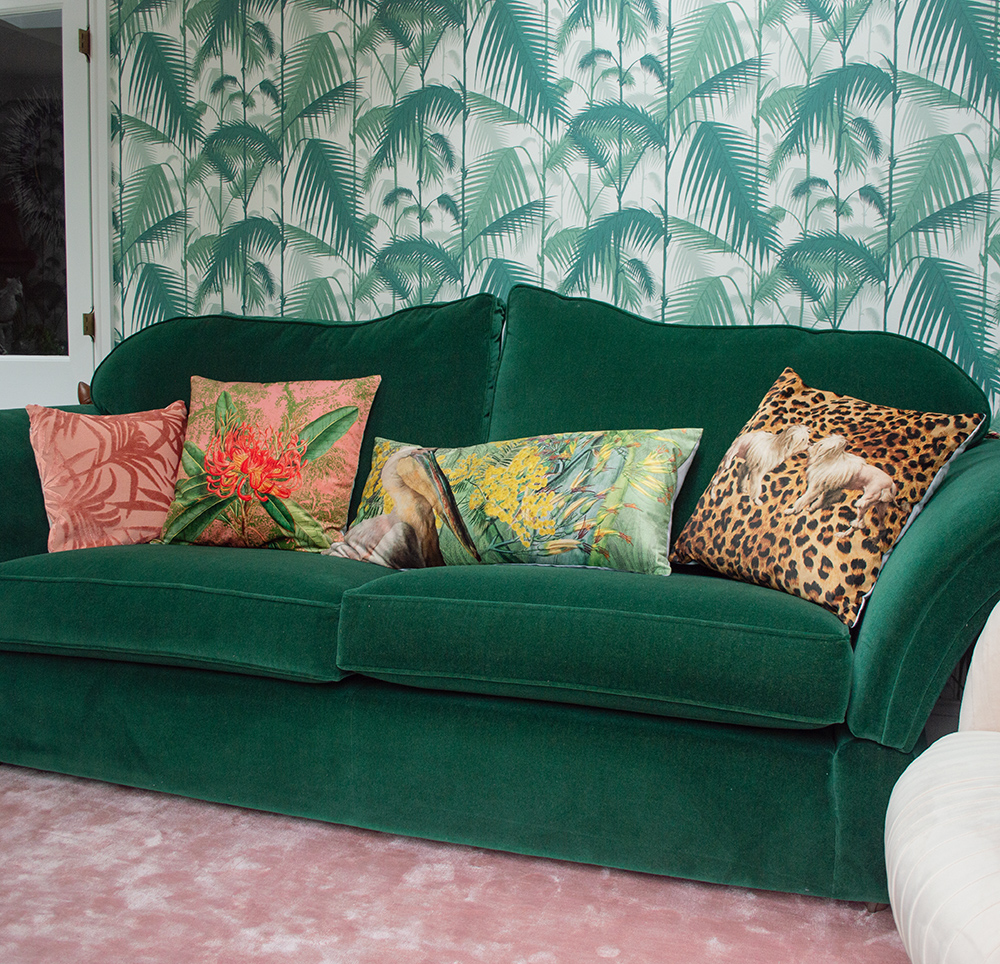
(797, 811)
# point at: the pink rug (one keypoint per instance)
(97, 874)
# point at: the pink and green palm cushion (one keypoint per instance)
(106, 479)
(269, 464)
(583, 498)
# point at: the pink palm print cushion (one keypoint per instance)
(107, 479)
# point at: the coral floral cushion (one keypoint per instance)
(269, 464)
(107, 479)
(817, 489)
(582, 498)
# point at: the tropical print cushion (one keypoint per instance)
(582, 498)
(107, 480)
(816, 490)
(269, 464)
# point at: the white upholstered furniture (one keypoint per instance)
(942, 833)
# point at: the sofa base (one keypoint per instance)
(799, 811)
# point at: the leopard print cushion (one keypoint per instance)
(816, 490)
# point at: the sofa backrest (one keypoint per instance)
(438, 365)
(573, 364)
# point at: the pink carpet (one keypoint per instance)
(98, 874)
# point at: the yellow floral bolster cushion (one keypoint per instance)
(583, 499)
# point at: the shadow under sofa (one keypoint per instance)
(688, 725)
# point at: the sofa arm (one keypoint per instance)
(24, 527)
(930, 603)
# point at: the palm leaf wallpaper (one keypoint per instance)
(826, 163)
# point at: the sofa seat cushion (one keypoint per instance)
(687, 645)
(255, 611)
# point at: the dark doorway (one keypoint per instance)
(33, 317)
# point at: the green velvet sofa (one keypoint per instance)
(687, 725)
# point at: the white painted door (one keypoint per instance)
(29, 375)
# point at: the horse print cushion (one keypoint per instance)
(269, 465)
(584, 499)
(816, 490)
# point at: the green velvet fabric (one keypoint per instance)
(862, 776)
(24, 527)
(438, 365)
(545, 707)
(688, 646)
(264, 611)
(572, 364)
(931, 601)
(787, 810)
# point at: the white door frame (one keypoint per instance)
(52, 380)
(100, 175)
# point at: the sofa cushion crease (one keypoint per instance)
(598, 696)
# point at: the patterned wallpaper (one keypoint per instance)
(828, 163)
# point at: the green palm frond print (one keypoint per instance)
(828, 164)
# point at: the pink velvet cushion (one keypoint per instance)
(269, 464)
(107, 480)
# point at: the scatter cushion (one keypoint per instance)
(106, 479)
(269, 464)
(691, 646)
(816, 490)
(583, 498)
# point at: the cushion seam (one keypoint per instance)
(571, 687)
(102, 652)
(173, 587)
(504, 604)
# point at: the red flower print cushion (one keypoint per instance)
(107, 480)
(269, 464)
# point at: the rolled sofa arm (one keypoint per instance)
(24, 527)
(930, 603)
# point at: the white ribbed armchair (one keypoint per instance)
(942, 830)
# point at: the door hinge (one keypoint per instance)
(89, 325)
(84, 36)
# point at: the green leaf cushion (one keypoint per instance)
(694, 646)
(445, 355)
(269, 465)
(264, 613)
(580, 499)
(816, 490)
